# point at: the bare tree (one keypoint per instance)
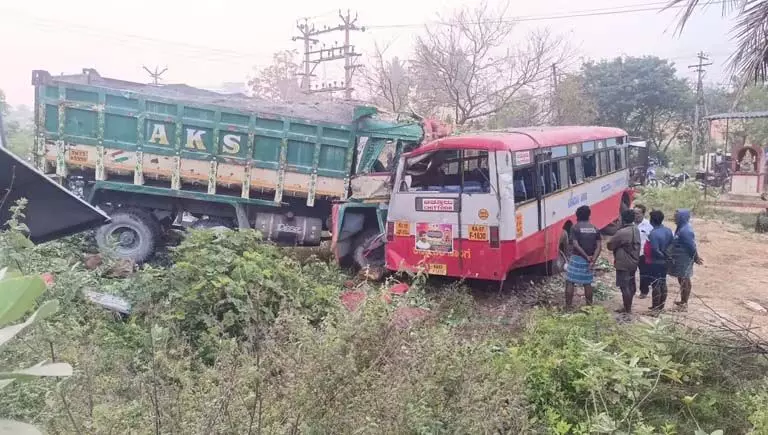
(468, 62)
(388, 81)
(573, 106)
(278, 81)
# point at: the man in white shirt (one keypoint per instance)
(645, 228)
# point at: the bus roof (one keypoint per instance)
(521, 139)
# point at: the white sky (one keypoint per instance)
(206, 43)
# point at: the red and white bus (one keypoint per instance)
(479, 206)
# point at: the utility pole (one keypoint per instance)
(697, 130)
(313, 58)
(156, 74)
(307, 31)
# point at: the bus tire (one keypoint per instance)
(373, 263)
(559, 265)
(131, 235)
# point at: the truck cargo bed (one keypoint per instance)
(184, 137)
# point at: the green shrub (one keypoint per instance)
(222, 282)
(669, 199)
(585, 373)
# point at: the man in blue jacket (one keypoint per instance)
(655, 256)
(684, 256)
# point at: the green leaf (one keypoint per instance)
(46, 310)
(5, 382)
(687, 400)
(9, 332)
(54, 369)
(17, 296)
(10, 427)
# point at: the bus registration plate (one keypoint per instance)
(437, 269)
(478, 232)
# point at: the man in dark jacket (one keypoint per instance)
(625, 245)
(655, 256)
(684, 255)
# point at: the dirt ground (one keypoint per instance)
(731, 285)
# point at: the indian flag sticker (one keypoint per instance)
(119, 156)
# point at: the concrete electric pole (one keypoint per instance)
(155, 74)
(699, 110)
(314, 57)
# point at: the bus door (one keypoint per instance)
(479, 239)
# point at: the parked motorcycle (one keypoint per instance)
(676, 180)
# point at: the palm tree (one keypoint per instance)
(750, 60)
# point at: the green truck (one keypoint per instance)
(149, 154)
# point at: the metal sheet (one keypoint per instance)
(738, 115)
(52, 211)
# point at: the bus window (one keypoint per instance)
(523, 183)
(475, 172)
(436, 172)
(604, 165)
(575, 170)
(562, 174)
(547, 182)
(618, 160)
(590, 165)
(446, 171)
(612, 160)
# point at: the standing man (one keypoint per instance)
(586, 244)
(625, 245)
(656, 259)
(684, 255)
(645, 229)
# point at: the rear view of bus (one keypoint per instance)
(480, 206)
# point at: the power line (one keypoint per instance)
(616, 10)
(70, 27)
(576, 14)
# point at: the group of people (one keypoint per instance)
(640, 245)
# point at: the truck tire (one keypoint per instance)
(375, 258)
(151, 220)
(132, 235)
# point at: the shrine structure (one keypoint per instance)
(748, 166)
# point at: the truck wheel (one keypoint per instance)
(151, 220)
(131, 235)
(372, 261)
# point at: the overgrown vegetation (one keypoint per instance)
(238, 337)
(691, 197)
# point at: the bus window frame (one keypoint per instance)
(604, 152)
(530, 164)
(460, 161)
